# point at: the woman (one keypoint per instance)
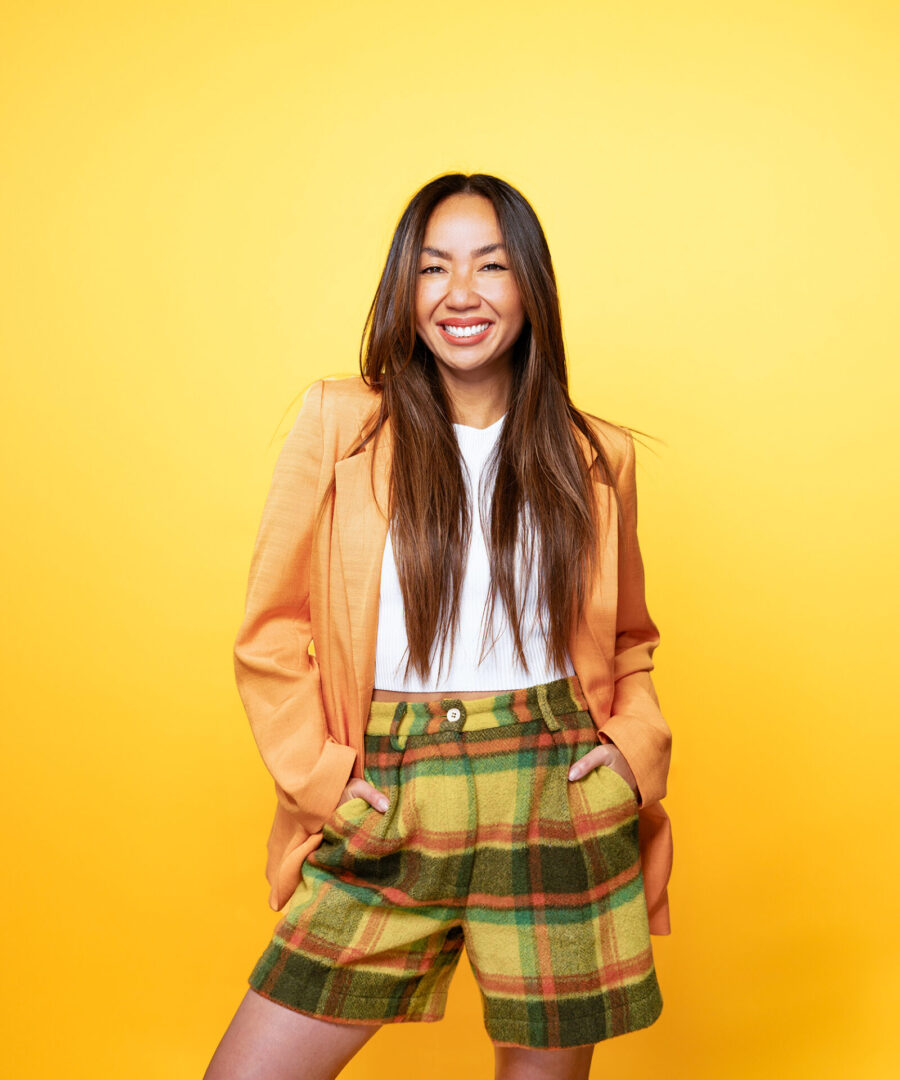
(458, 542)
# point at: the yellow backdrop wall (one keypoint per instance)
(196, 204)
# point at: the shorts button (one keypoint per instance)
(453, 715)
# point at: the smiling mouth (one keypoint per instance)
(463, 333)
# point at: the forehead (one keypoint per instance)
(460, 217)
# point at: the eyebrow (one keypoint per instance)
(476, 254)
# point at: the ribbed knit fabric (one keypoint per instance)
(499, 669)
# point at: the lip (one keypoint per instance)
(473, 340)
(470, 321)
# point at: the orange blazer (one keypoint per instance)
(308, 711)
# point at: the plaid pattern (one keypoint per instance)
(486, 843)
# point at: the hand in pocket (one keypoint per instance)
(362, 789)
(607, 754)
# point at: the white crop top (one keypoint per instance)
(500, 669)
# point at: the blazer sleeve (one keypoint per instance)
(277, 678)
(636, 725)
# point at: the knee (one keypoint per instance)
(530, 1063)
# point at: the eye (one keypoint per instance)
(497, 265)
(428, 268)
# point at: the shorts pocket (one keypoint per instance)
(346, 817)
(616, 778)
(600, 799)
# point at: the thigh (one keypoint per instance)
(268, 1041)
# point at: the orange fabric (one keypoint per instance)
(308, 711)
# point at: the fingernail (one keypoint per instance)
(574, 774)
(382, 804)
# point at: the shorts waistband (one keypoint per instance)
(550, 700)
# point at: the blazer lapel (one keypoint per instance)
(361, 526)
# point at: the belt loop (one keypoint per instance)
(399, 712)
(550, 718)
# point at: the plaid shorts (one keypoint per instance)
(486, 843)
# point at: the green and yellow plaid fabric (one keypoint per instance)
(486, 843)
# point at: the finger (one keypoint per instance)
(598, 756)
(362, 789)
(373, 796)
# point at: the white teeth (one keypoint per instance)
(466, 331)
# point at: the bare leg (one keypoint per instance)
(521, 1063)
(268, 1041)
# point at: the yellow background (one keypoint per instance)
(197, 200)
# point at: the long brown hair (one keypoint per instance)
(543, 506)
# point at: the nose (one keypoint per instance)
(461, 292)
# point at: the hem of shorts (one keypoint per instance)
(498, 1041)
(410, 1018)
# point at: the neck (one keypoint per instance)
(479, 402)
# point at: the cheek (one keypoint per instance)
(513, 308)
(423, 322)
(507, 300)
(425, 301)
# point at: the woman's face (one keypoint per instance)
(468, 309)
